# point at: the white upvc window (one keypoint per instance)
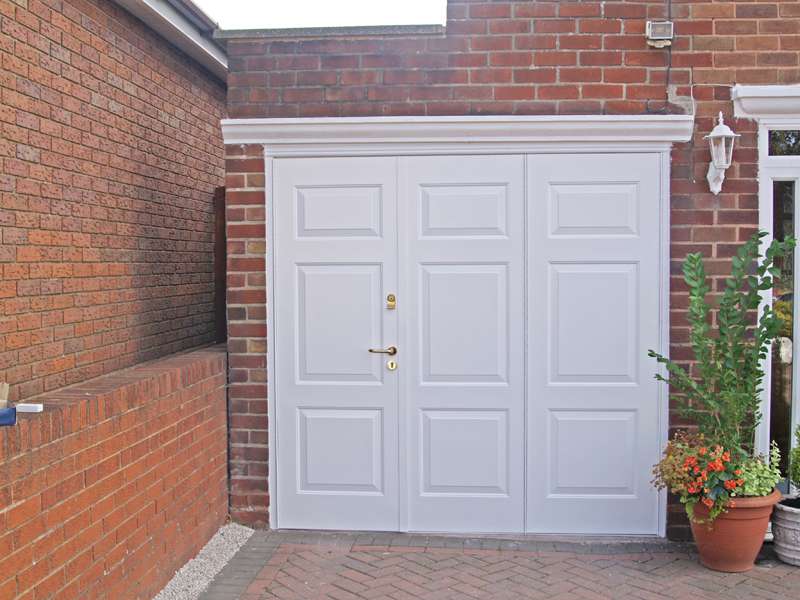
(777, 110)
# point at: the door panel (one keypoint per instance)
(335, 262)
(593, 312)
(462, 341)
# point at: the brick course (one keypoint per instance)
(110, 151)
(117, 484)
(533, 57)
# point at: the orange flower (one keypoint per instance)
(737, 472)
(702, 451)
(726, 457)
(730, 484)
(708, 502)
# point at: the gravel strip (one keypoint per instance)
(195, 576)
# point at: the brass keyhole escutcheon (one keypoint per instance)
(391, 365)
(391, 302)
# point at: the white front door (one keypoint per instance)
(527, 294)
(593, 312)
(464, 356)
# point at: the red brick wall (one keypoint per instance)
(110, 151)
(117, 484)
(534, 57)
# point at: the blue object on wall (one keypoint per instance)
(8, 416)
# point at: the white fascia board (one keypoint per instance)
(163, 18)
(766, 101)
(479, 132)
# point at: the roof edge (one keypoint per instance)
(184, 26)
(326, 32)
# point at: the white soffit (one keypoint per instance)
(180, 31)
(473, 132)
(766, 101)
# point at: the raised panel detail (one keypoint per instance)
(592, 453)
(463, 210)
(340, 450)
(593, 323)
(464, 452)
(338, 319)
(465, 323)
(340, 211)
(594, 209)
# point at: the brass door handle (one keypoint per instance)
(391, 350)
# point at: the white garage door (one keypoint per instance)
(521, 294)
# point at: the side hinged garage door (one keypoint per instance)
(460, 342)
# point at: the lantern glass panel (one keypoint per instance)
(718, 152)
(728, 151)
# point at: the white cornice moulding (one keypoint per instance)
(388, 134)
(766, 101)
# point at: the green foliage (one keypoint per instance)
(760, 477)
(783, 309)
(794, 460)
(723, 398)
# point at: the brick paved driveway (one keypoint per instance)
(297, 565)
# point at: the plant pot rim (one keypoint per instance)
(740, 502)
(785, 507)
(757, 501)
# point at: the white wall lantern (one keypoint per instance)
(720, 141)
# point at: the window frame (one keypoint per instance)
(771, 169)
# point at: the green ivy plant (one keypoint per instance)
(722, 395)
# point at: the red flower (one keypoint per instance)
(708, 502)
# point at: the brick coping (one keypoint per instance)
(73, 408)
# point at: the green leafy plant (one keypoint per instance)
(783, 309)
(794, 460)
(722, 395)
(759, 476)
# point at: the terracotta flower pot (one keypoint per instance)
(731, 542)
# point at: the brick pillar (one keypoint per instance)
(247, 333)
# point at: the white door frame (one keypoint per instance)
(772, 107)
(398, 136)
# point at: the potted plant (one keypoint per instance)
(728, 489)
(786, 518)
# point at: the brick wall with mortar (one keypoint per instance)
(117, 484)
(533, 57)
(110, 150)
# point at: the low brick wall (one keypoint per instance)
(118, 483)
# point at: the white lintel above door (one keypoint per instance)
(481, 134)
